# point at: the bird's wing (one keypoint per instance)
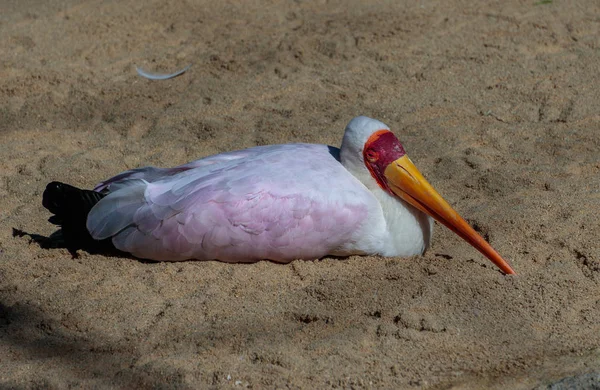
(283, 203)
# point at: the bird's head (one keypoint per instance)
(375, 155)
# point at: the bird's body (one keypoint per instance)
(278, 202)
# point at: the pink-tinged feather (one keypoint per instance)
(262, 203)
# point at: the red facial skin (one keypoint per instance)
(381, 149)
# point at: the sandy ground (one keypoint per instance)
(496, 103)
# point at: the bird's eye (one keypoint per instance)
(372, 155)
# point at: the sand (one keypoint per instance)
(497, 103)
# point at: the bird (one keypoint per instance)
(273, 202)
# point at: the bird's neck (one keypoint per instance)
(401, 229)
(409, 230)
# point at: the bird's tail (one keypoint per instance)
(71, 206)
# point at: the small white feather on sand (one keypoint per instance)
(161, 76)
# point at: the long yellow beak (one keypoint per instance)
(405, 180)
